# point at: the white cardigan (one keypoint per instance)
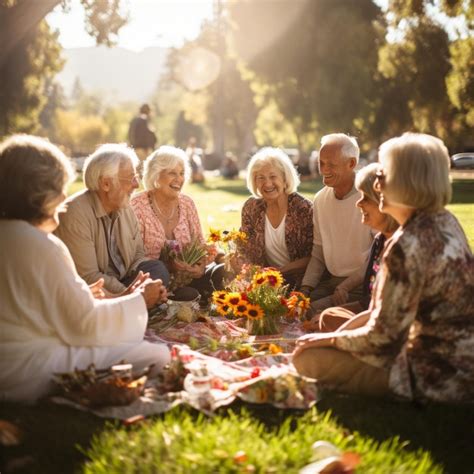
(50, 322)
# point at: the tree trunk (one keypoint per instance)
(17, 21)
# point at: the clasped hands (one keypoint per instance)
(153, 291)
(196, 271)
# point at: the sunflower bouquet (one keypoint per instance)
(258, 294)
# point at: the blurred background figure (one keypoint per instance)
(229, 168)
(141, 136)
(195, 161)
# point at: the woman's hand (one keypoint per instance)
(196, 271)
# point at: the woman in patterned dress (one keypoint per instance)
(167, 216)
(277, 220)
(418, 342)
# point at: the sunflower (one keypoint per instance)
(218, 297)
(233, 298)
(223, 309)
(254, 311)
(259, 279)
(214, 235)
(241, 309)
(274, 278)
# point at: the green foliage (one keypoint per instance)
(321, 63)
(24, 78)
(236, 443)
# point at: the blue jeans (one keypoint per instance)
(156, 269)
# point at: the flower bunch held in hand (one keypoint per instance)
(185, 262)
(259, 295)
(231, 243)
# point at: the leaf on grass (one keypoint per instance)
(10, 434)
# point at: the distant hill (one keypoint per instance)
(120, 74)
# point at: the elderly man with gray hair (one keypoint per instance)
(341, 243)
(100, 228)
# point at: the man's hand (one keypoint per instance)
(154, 292)
(97, 289)
(340, 296)
(140, 279)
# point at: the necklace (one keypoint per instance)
(168, 218)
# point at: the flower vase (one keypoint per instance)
(263, 327)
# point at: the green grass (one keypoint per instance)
(61, 440)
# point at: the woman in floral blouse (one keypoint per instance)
(166, 217)
(277, 220)
(419, 340)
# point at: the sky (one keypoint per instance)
(162, 23)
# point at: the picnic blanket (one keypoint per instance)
(207, 383)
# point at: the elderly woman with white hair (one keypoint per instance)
(50, 320)
(418, 342)
(165, 215)
(277, 220)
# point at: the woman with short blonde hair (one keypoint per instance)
(418, 342)
(277, 220)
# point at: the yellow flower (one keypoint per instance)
(214, 235)
(241, 308)
(218, 297)
(274, 349)
(271, 277)
(223, 309)
(233, 298)
(254, 311)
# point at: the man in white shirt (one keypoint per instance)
(341, 242)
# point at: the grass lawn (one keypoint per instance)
(391, 437)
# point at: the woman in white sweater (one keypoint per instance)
(50, 320)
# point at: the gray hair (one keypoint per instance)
(106, 161)
(277, 158)
(33, 173)
(165, 158)
(348, 144)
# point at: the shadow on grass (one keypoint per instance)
(54, 433)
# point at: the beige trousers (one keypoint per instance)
(341, 371)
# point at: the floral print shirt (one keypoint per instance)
(298, 228)
(421, 325)
(152, 231)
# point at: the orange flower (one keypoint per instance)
(274, 349)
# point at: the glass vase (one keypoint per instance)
(265, 326)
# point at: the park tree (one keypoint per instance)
(319, 56)
(223, 105)
(428, 71)
(30, 54)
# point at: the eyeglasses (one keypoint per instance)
(134, 179)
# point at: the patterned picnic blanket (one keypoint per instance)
(224, 364)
